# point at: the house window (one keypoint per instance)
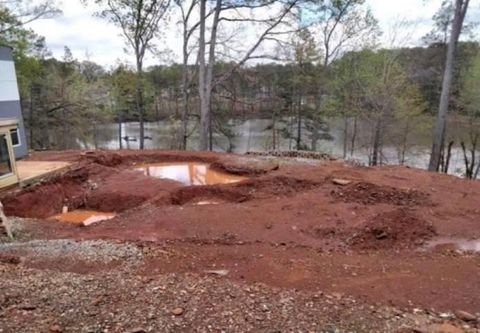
(15, 137)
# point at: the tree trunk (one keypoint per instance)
(30, 121)
(475, 176)
(120, 143)
(377, 142)
(140, 107)
(461, 7)
(95, 135)
(211, 66)
(345, 136)
(204, 105)
(299, 123)
(404, 142)
(184, 128)
(206, 74)
(354, 136)
(274, 132)
(64, 129)
(470, 171)
(446, 159)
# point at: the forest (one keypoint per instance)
(310, 61)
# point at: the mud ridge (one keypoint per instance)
(210, 193)
(275, 186)
(371, 194)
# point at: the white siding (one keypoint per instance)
(8, 82)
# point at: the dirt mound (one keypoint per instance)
(206, 193)
(371, 194)
(254, 188)
(103, 158)
(125, 190)
(274, 186)
(392, 230)
(245, 167)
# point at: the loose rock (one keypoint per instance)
(55, 329)
(465, 316)
(178, 311)
(221, 272)
(341, 182)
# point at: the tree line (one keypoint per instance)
(319, 59)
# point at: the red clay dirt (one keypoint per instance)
(289, 225)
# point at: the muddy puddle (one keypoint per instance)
(206, 203)
(463, 245)
(188, 173)
(85, 217)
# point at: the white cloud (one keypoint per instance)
(82, 32)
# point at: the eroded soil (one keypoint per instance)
(350, 239)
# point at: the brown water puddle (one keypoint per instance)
(455, 244)
(85, 217)
(189, 173)
(206, 203)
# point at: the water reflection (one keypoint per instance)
(85, 217)
(188, 173)
(206, 203)
(251, 135)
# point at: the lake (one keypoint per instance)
(256, 135)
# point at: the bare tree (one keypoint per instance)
(343, 25)
(186, 10)
(17, 13)
(139, 21)
(206, 77)
(461, 7)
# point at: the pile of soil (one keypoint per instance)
(371, 194)
(126, 190)
(275, 186)
(397, 229)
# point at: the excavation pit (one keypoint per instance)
(189, 173)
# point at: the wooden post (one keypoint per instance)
(6, 222)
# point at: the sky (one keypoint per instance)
(92, 38)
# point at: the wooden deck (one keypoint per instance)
(29, 171)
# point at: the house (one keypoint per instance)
(10, 110)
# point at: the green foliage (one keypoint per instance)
(372, 82)
(27, 47)
(123, 88)
(470, 95)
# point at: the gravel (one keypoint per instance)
(90, 250)
(122, 299)
(38, 301)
